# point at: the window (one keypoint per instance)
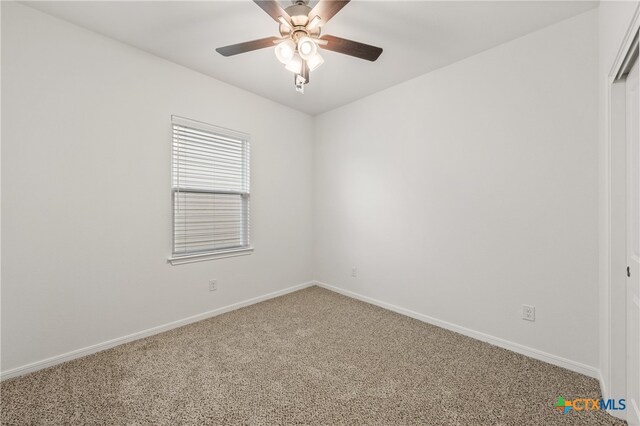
(210, 175)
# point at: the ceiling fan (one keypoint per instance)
(297, 46)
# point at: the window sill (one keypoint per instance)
(201, 257)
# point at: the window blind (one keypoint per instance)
(210, 175)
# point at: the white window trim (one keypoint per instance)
(201, 257)
(211, 255)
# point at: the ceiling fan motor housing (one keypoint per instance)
(299, 14)
(298, 31)
(299, 19)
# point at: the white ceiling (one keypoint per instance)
(417, 37)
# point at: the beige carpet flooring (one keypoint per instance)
(310, 357)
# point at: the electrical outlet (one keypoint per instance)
(354, 272)
(213, 285)
(528, 313)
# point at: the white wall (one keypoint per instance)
(614, 21)
(86, 206)
(471, 190)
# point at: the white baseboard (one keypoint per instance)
(515, 347)
(78, 353)
(603, 386)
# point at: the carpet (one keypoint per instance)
(310, 357)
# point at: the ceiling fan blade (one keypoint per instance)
(273, 9)
(326, 9)
(350, 47)
(247, 46)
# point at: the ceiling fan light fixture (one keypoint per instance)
(307, 47)
(295, 64)
(315, 61)
(300, 28)
(285, 51)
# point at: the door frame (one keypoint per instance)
(613, 364)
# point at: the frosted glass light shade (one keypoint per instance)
(285, 51)
(307, 48)
(315, 61)
(295, 64)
